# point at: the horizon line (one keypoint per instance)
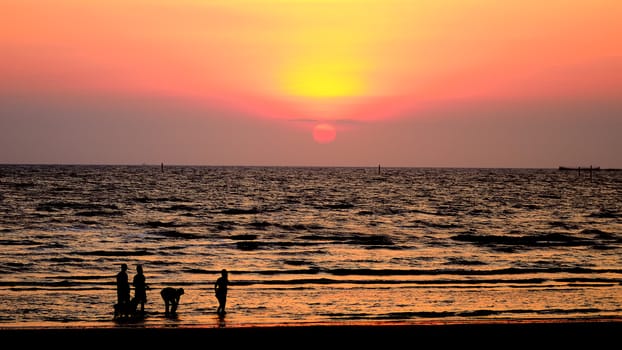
(588, 167)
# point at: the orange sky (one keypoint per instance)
(341, 62)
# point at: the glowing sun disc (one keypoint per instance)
(324, 133)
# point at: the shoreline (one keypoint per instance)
(123, 324)
(496, 333)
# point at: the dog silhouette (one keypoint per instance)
(126, 310)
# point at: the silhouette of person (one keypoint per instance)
(140, 287)
(171, 297)
(123, 286)
(220, 288)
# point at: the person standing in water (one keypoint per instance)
(123, 286)
(220, 288)
(140, 288)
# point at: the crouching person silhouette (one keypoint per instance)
(171, 297)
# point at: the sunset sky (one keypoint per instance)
(453, 83)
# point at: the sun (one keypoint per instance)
(324, 133)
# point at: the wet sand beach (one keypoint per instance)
(532, 334)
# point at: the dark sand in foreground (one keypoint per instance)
(591, 334)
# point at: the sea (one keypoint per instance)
(310, 245)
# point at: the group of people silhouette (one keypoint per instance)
(127, 306)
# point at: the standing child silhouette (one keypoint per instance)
(220, 288)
